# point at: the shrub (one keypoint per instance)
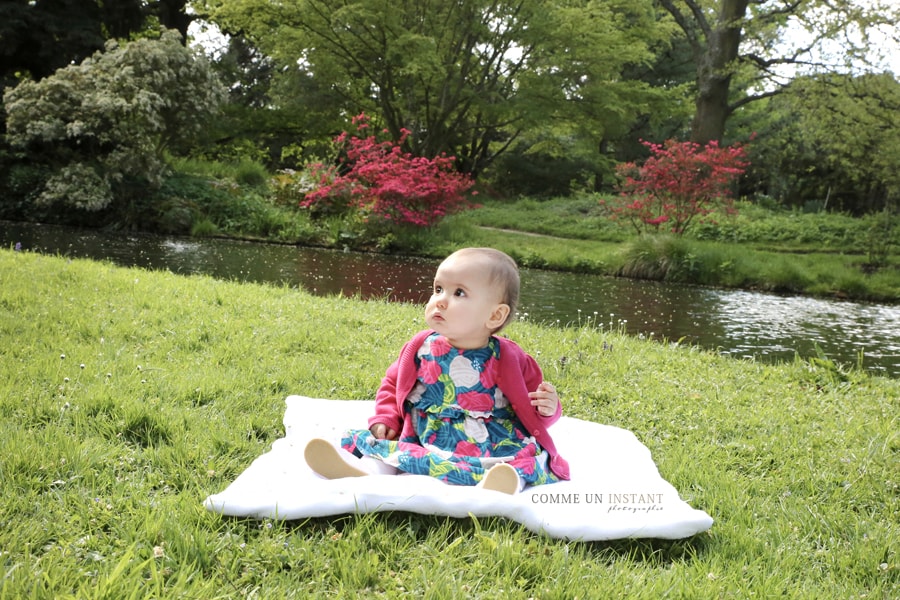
(382, 183)
(250, 173)
(680, 181)
(112, 118)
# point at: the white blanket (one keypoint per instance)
(615, 492)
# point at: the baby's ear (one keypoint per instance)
(498, 316)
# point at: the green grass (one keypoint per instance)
(128, 396)
(759, 249)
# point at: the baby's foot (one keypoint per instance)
(325, 459)
(501, 478)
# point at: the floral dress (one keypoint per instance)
(457, 423)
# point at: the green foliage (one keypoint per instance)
(665, 258)
(250, 174)
(20, 184)
(660, 257)
(289, 187)
(466, 78)
(778, 228)
(735, 44)
(882, 237)
(112, 118)
(203, 227)
(807, 153)
(536, 174)
(40, 37)
(130, 395)
(757, 249)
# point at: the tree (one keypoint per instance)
(39, 37)
(466, 78)
(751, 42)
(575, 137)
(680, 182)
(282, 117)
(112, 117)
(36, 38)
(172, 14)
(833, 140)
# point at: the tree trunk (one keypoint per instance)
(714, 72)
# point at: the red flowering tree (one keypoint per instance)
(380, 181)
(679, 182)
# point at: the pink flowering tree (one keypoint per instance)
(385, 185)
(679, 182)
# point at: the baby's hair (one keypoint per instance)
(502, 271)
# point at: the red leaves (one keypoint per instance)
(680, 181)
(380, 180)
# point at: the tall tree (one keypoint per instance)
(466, 78)
(754, 41)
(284, 117)
(806, 153)
(38, 37)
(172, 14)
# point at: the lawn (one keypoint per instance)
(128, 396)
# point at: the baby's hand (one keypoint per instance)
(382, 432)
(545, 399)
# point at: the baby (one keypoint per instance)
(459, 404)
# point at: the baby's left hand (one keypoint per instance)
(545, 399)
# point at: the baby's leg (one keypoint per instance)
(333, 462)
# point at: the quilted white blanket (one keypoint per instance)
(615, 492)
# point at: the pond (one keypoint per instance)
(765, 327)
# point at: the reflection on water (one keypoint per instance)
(738, 323)
(776, 325)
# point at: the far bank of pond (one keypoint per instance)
(754, 325)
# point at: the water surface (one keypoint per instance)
(762, 326)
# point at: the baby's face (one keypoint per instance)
(464, 306)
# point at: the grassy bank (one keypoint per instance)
(128, 396)
(759, 248)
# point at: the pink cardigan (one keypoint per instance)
(518, 374)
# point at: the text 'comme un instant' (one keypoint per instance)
(627, 502)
